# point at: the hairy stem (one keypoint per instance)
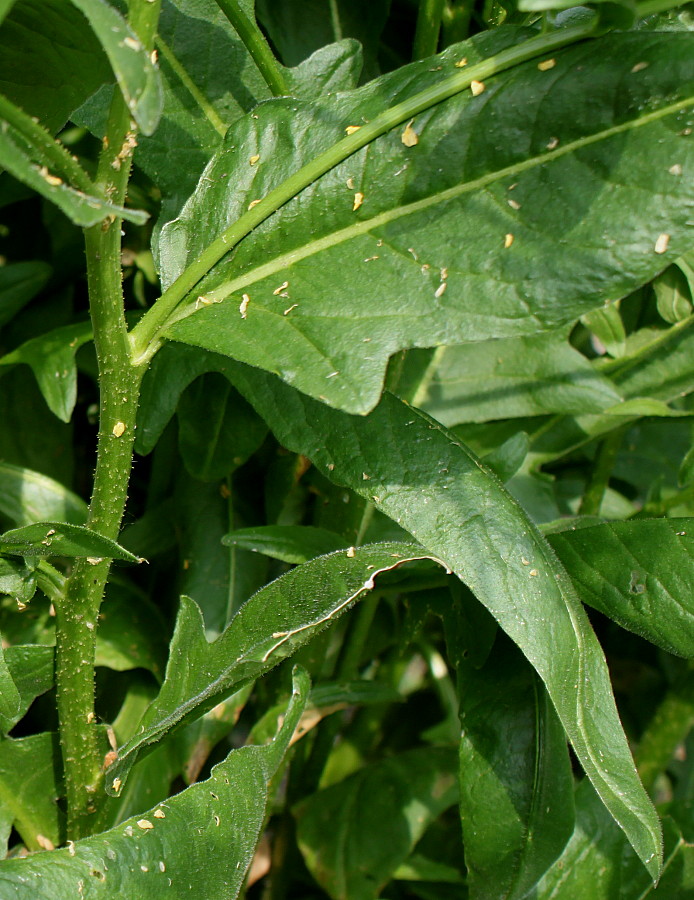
(257, 46)
(119, 383)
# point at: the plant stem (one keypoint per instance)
(146, 335)
(602, 470)
(119, 383)
(257, 46)
(426, 38)
(455, 22)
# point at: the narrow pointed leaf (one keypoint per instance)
(270, 626)
(61, 539)
(199, 843)
(465, 236)
(638, 573)
(135, 72)
(52, 360)
(421, 476)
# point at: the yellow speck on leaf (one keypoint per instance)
(350, 129)
(546, 64)
(476, 88)
(119, 429)
(409, 137)
(253, 203)
(159, 814)
(661, 244)
(243, 306)
(358, 200)
(254, 159)
(461, 63)
(282, 287)
(144, 824)
(639, 67)
(508, 240)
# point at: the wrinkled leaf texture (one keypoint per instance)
(409, 246)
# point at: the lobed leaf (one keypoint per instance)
(638, 573)
(269, 627)
(198, 843)
(417, 473)
(392, 248)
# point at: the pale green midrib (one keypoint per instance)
(365, 226)
(179, 70)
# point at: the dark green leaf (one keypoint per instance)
(516, 785)
(416, 472)
(608, 327)
(591, 197)
(27, 497)
(355, 834)
(288, 543)
(61, 539)
(217, 429)
(639, 574)
(132, 634)
(506, 459)
(270, 626)
(673, 296)
(200, 841)
(137, 77)
(512, 378)
(50, 60)
(19, 283)
(30, 787)
(32, 669)
(52, 360)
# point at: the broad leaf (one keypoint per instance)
(61, 539)
(31, 667)
(18, 579)
(511, 378)
(135, 72)
(530, 233)
(270, 626)
(19, 283)
(52, 360)
(27, 497)
(132, 633)
(516, 785)
(156, 855)
(355, 834)
(417, 473)
(639, 574)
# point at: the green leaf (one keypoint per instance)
(18, 579)
(639, 574)
(417, 473)
(155, 854)
(82, 209)
(525, 376)
(217, 429)
(591, 196)
(508, 457)
(341, 829)
(136, 74)
(132, 633)
(61, 539)
(20, 283)
(288, 543)
(30, 788)
(270, 626)
(27, 497)
(608, 327)
(50, 60)
(32, 669)
(516, 784)
(51, 357)
(673, 296)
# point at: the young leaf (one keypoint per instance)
(417, 473)
(639, 574)
(516, 785)
(398, 797)
(135, 72)
(52, 360)
(27, 497)
(579, 163)
(61, 539)
(270, 626)
(200, 841)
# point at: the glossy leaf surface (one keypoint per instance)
(460, 512)
(27, 497)
(61, 539)
(426, 246)
(155, 854)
